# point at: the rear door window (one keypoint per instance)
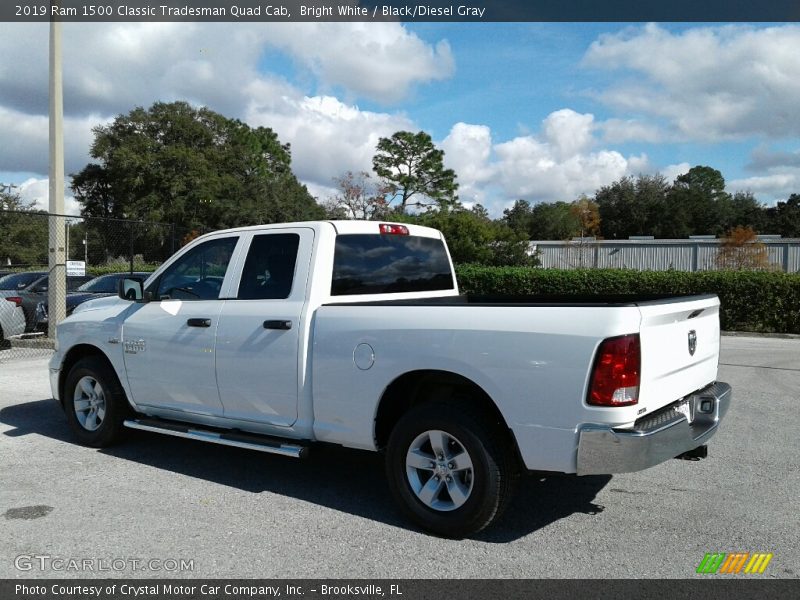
(269, 269)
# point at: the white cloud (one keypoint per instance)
(26, 141)
(560, 163)
(707, 83)
(619, 131)
(322, 192)
(382, 61)
(778, 184)
(327, 136)
(671, 172)
(531, 171)
(467, 150)
(111, 67)
(37, 191)
(568, 133)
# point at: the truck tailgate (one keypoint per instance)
(680, 348)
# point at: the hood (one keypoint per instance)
(76, 298)
(97, 302)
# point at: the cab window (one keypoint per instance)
(198, 274)
(268, 271)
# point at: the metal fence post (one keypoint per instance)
(786, 247)
(130, 247)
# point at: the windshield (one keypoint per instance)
(107, 284)
(18, 281)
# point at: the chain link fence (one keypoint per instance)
(88, 256)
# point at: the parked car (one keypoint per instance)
(35, 292)
(277, 337)
(103, 285)
(12, 319)
(16, 282)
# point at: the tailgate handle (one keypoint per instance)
(199, 322)
(278, 324)
(695, 313)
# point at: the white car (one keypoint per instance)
(12, 319)
(277, 337)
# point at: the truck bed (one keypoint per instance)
(593, 300)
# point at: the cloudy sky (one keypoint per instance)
(543, 112)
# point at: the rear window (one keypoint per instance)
(381, 264)
(18, 281)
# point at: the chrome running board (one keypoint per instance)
(225, 437)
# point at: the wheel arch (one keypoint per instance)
(73, 355)
(416, 387)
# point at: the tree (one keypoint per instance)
(24, 239)
(413, 168)
(746, 211)
(358, 198)
(191, 167)
(742, 250)
(519, 217)
(472, 237)
(543, 221)
(632, 206)
(697, 204)
(784, 217)
(587, 217)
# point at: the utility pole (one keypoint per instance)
(57, 287)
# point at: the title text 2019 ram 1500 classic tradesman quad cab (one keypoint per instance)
(275, 337)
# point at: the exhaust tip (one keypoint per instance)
(698, 453)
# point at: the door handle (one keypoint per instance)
(278, 324)
(199, 322)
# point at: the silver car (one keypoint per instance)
(12, 319)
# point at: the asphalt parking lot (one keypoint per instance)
(235, 513)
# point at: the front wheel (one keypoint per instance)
(450, 472)
(95, 402)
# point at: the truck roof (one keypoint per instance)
(341, 227)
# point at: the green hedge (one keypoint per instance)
(106, 269)
(764, 302)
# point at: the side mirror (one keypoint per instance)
(131, 288)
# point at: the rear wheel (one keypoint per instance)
(449, 470)
(95, 402)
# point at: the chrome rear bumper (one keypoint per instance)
(655, 438)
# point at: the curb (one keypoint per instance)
(785, 336)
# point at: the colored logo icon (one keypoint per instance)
(735, 563)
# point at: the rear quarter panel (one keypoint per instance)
(532, 361)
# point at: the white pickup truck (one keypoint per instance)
(279, 337)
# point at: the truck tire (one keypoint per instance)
(95, 403)
(450, 470)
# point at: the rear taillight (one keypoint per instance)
(15, 299)
(390, 229)
(615, 376)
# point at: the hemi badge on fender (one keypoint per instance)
(134, 346)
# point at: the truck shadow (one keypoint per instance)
(346, 480)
